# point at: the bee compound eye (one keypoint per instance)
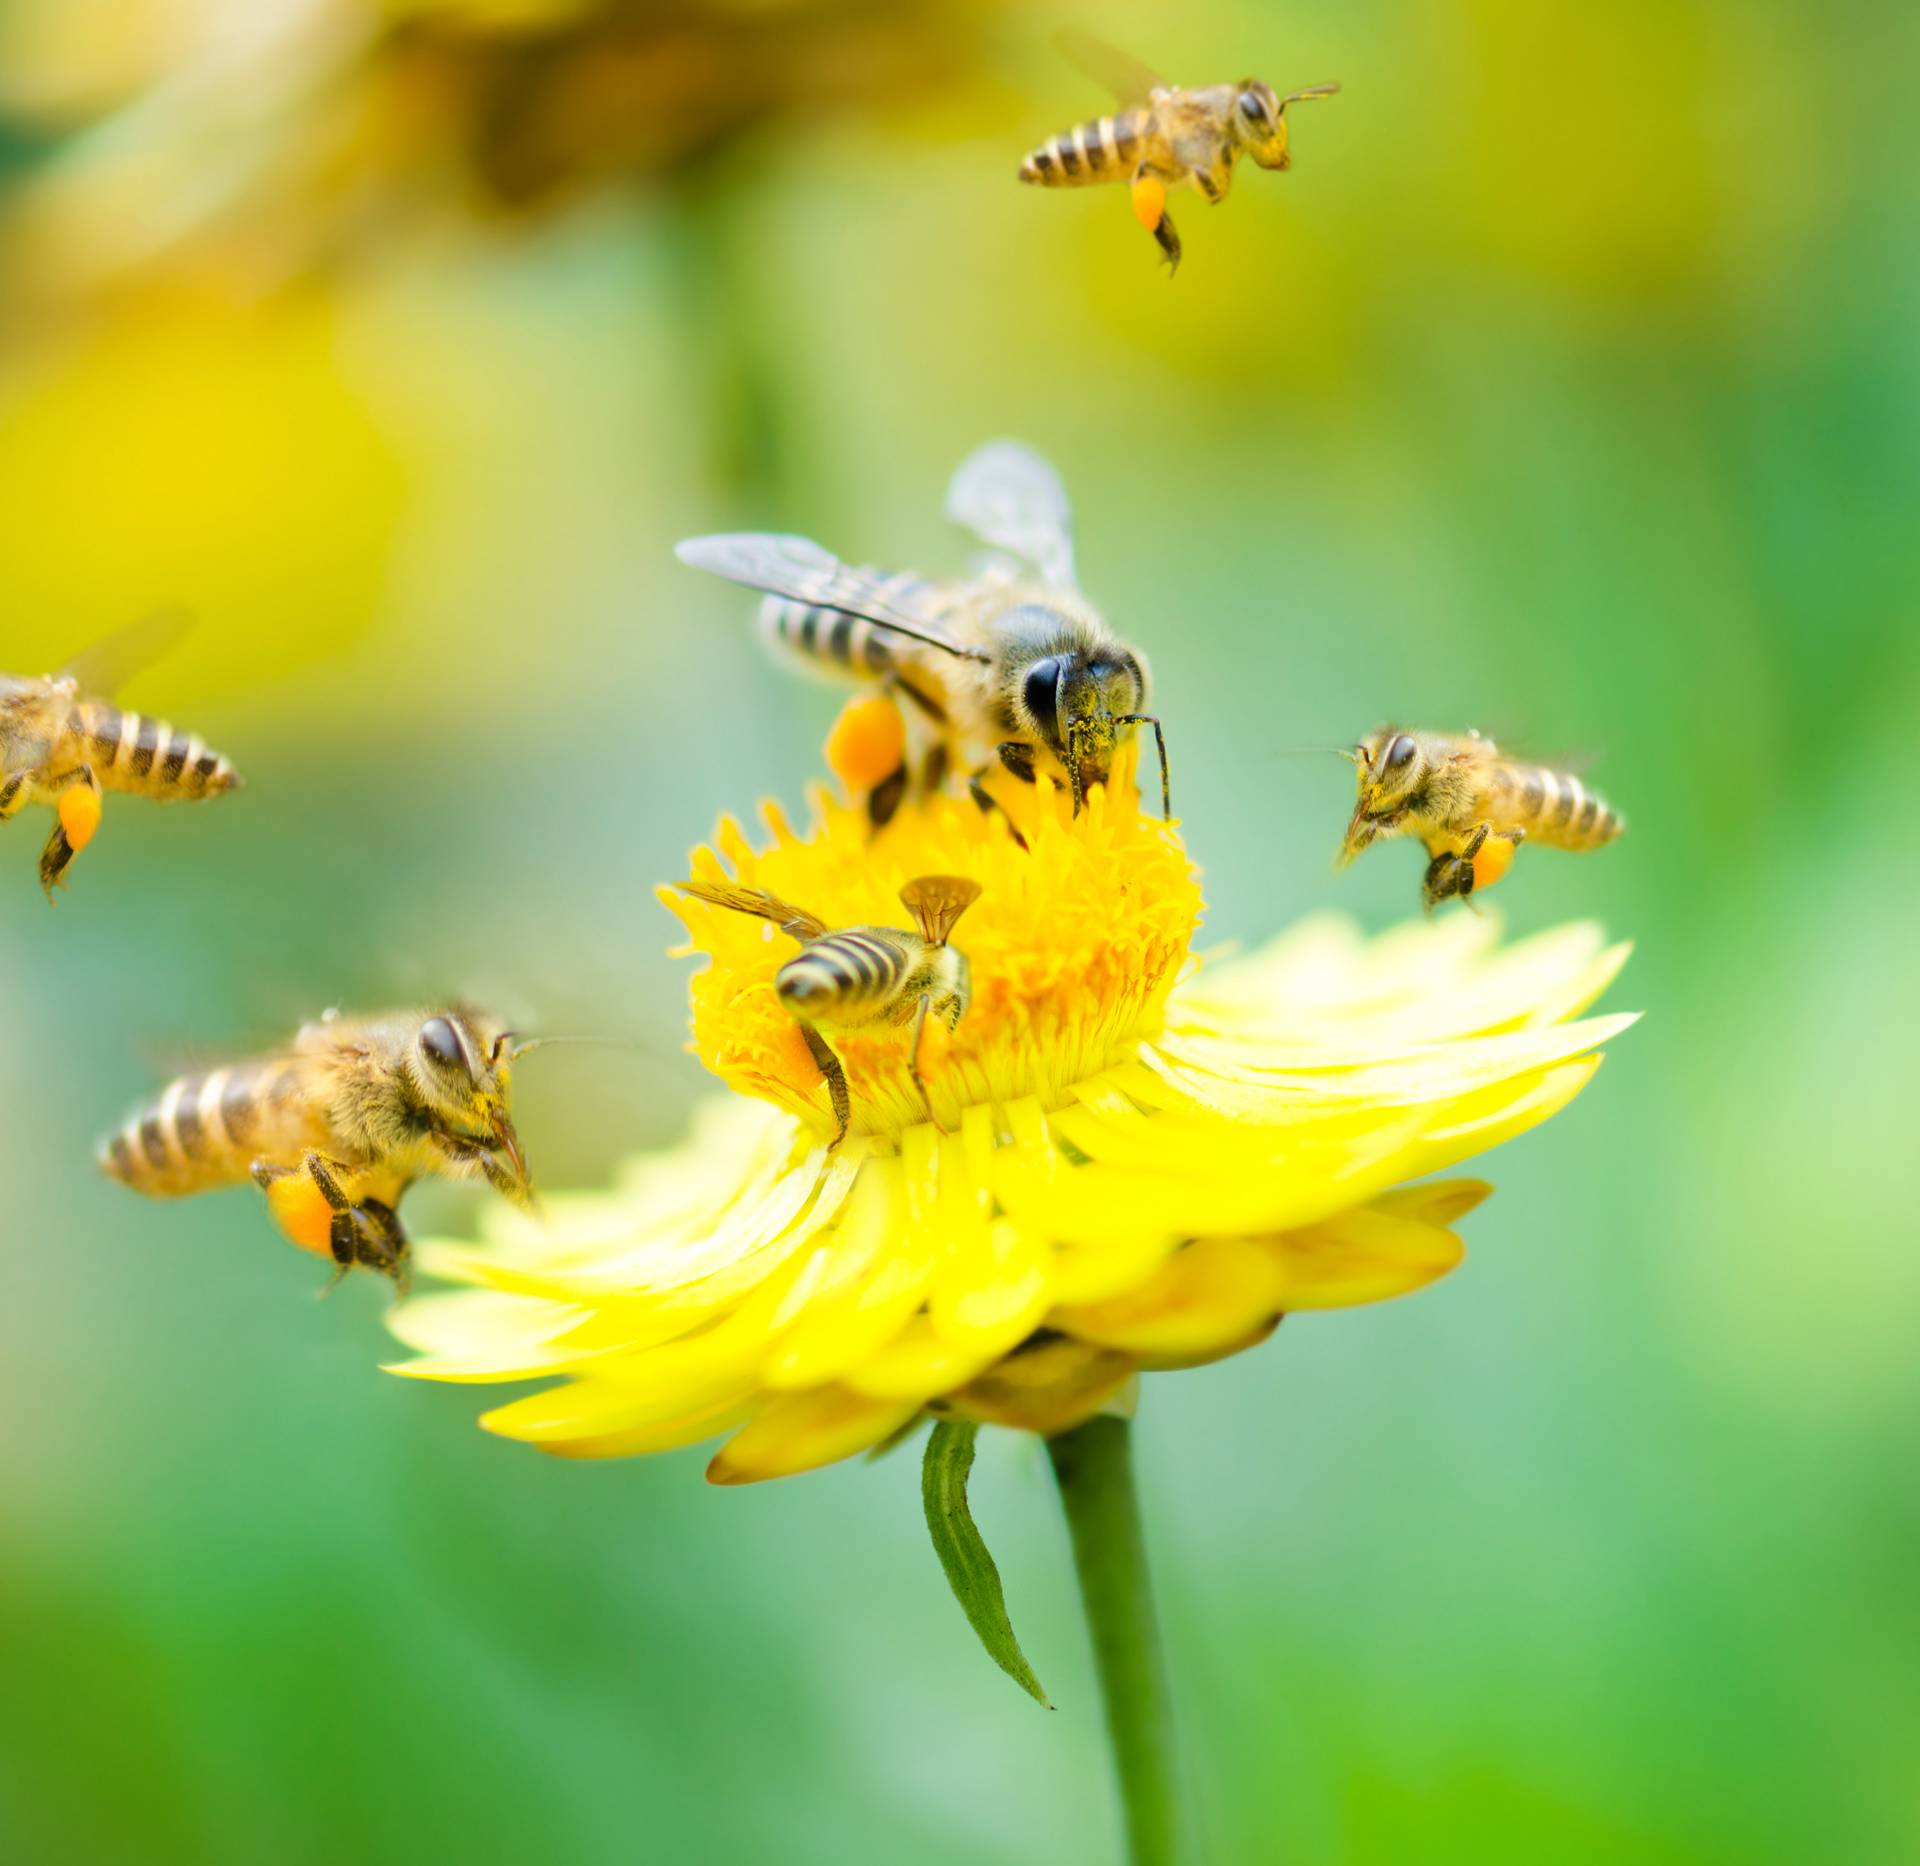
(1041, 695)
(1399, 753)
(438, 1039)
(1253, 107)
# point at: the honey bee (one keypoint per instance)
(862, 976)
(1166, 136)
(337, 1126)
(62, 743)
(1471, 807)
(1013, 665)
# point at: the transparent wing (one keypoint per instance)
(100, 671)
(806, 572)
(790, 919)
(1126, 77)
(936, 902)
(1007, 495)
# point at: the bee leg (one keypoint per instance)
(1017, 756)
(1215, 181)
(13, 796)
(913, 1061)
(1440, 882)
(79, 818)
(1149, 189)
(380, 1243)
(1160, 742)
(885, 798)
(836, 1080)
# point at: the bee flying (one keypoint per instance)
(865, 976)
(1013, 666)
(337, 1126)
(62, 743)
(1167, 136)
(1470, 806)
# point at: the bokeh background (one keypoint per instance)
(1567, 386)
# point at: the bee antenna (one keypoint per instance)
(518, 1046)
(1350, 753)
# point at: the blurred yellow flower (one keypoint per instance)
(251, 145)
(1144, 1163)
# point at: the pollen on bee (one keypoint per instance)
(302, 1213)
(79, 815)
(1149, 201)
(867, 743)
(1495, 857)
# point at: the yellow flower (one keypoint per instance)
(1141, 1163)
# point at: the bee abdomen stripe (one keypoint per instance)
(1533, 790)
(103, 727)
(153, 1141)
(188, 1131)
(237, 1109)
(119, 1160)
(180, 747)
(1588, 812)
(145, 743)
(1570, 795)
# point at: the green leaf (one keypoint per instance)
(970, 1571)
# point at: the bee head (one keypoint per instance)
(1390, 768)
(1077, 708)
(1260, 124)
(462, 1064)
(1260, 119)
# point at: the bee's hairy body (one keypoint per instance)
(859, 977)
(49, 732)
(1454, 792)
(362, 1107)
(870, 975)
(54, 741)
(1103, 149)
(979, 704)
(1168, 136)
(1007, 668)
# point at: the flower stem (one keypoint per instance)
(1094, 1467)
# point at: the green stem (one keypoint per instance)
(1094, 1466)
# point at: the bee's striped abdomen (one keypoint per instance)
(842, 974)
(1555, 808)
(1106, 149)
(206, 1131)
(147, 757)
(832, 638)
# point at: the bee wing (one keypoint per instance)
(792, 920)
(102, 669)
(806, 572)
(936, 902)
(1006, 495)
(1125, 76)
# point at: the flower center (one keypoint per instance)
(1073, 946)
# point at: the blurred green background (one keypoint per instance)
(1567, 386)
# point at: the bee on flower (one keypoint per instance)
(1140, 1164)
(867, 975)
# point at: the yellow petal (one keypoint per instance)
(1214, 1291)
(1370, 1255)
(804, 1430)
(1047, 1389)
